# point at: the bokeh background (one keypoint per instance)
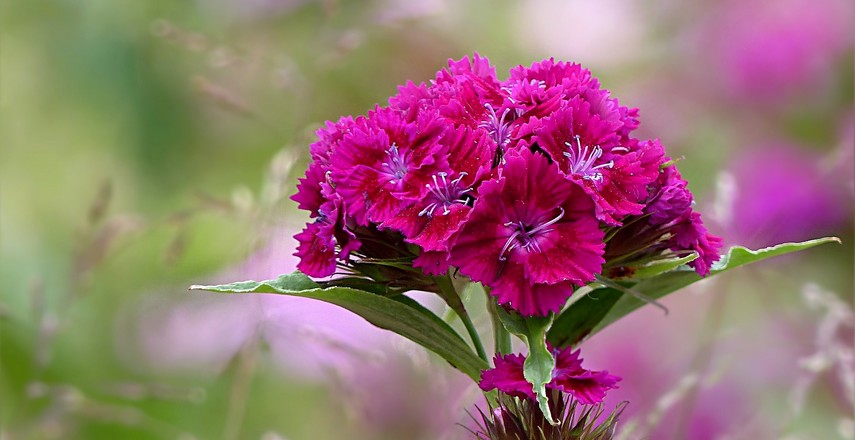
(147, 146)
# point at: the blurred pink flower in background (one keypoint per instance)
(389, 384)
(779, 193)
(204, 331)
(768, 52)
(693, 374)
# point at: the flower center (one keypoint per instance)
(499, 130)
(525, 236)
(582, 160)
(395, 164)
(444, 193)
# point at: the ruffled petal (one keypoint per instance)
(529, 299)
(507, 377)
(432, 262)
(571, 252)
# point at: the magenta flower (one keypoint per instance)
(588, 387)
(687, 230)
(531, 236)
(316, 246)
(317, 242)
(373, 170)
(467, 91)
(310, 195)
(433, 220)
(588, 149)
(539, 90)
(669, 224)
(507, 376)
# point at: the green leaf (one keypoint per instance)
(399, 314)
(660, 266)
(582, 316)
(539, 363)
(602, 307)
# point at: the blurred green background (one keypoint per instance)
(150, 145)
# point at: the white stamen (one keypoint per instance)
(582, 161)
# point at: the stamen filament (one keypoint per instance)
(396, 164)
(444, 193)
(582, 161)
(499, 130)
(528, 238)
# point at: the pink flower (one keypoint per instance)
(531, 236)
(588, 149)
(783, 193)
(374, 168)
(434, 219)
(773, 51)
(588, 387)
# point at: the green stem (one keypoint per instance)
(473, 333)
(452, 298)
(501, 336)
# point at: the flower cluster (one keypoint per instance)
(515, 183)
(531, 186)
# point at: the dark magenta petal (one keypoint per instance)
(557, 134)
(480, 240)
(690, 234)
(329, 137)
(529, 299)
(441, 227)
(478, 66)
(534, 187)
(432, 262)
(571, 252)
(407, 221)
(308, 195)
(369, 194)
(507, 377)
(410, 99)
(316, 250)
(469, 151)
(530, 236)
(587, 147)
(670, 209)
(588, 387)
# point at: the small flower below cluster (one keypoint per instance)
(568, 376)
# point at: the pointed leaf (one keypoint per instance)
(400, 314)
(582, 316)
(588, 316)
(660, 266)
